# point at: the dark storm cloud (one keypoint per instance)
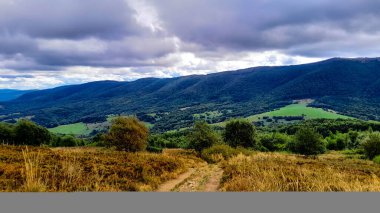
(66, 18)
(37, 36)
(49, 35)
(267, 25)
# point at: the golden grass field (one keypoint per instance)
(36, 169)
(87, 169)
(268, 172)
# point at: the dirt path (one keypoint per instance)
(168, 186)
(214, 181)
(204, 178)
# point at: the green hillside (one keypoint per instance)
(294, 110)
(300, 110)
(72, 129)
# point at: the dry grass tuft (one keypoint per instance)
(87, 169)
(285, 172)
(31, 172)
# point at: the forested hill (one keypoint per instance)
(9, 94)
(349, 86)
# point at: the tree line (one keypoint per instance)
(130, 134)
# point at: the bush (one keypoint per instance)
(127, 134)
(169, 140)
(240, 133)
(221, 152)
(6, 133)
(274, 142)
(29, 133)
(68, 141)
(307, 142)
(354, 139)
(338, 141)
(202, 136)
(377, 159)
(371, 145)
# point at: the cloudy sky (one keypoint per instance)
(47, 43)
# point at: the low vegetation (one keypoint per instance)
(35, 169)
(127, 134)
(202, 136)
(276, 172)
(344, 156)
(240, 133)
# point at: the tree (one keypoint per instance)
(128, 134)
(371, 145)
(240, 133)
(353, 142)
(202, 136)
(307, 142)
(338, 141)
(274, 142)
(6, 133)
(29, 133)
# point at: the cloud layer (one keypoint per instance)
(47, 43)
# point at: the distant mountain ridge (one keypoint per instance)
(348, 86)
(10, 94)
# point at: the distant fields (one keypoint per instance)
(84, 129)
(293, 110)
(72, 129)
(300, 110)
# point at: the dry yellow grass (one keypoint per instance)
(285, 172)
(86, 169)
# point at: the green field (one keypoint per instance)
(85, 129)
(72, 129)
(299, 110)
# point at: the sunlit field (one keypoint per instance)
(275, 172)
(87, 169)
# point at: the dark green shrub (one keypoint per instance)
(6, 133)
(29, 133)
(240, 133)
(377, 159)
(307, 142)
(202, 136)
(371, 145)
(67, 141)
(274, 142)
(354, 140)
(338, 141)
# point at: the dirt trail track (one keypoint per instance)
(204, 178)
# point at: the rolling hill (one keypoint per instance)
(9, 94)
(348, 86)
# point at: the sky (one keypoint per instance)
(45, 43)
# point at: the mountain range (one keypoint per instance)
(348, 86)
(10, 94)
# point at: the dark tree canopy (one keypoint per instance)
(240, 133)
(202, 136)
(371, 145)
(307, 142)
(29, 133)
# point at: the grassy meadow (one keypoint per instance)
(276, 172)
(300, 109)
(72, 129)
(36, 169)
